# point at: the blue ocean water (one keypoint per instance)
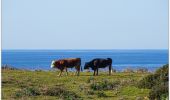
(41, 59)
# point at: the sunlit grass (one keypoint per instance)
(16, 80)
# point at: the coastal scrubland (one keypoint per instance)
(46, 85)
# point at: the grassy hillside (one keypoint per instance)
(46, 85)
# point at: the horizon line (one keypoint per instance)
(84, 49)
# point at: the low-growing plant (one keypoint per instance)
(101, 94)
(125, 82)
(122, 98)
(148, 82)
(157, 82)
(128, 70)
(159, 91)
(58, 91)
(104, 85)
(114, 70)
(8, 80)
(161, 75)
(61, 92)
(164, 96)
(29, 91)
(139, 98)
(142, 70)
(81, 87)
(8, 67)
(90, 79)
(90, 92)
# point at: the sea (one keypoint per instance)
(122, 59)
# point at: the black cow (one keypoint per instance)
(97, 63)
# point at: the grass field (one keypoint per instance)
(46, 85)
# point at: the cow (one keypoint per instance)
(62, 64)
(97, 63)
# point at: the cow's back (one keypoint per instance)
(71, 62)
(100, 62)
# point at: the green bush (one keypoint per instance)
(8, 67)
(142, 70)
(90, 92)
(157, 82)
(61, 92)
(58, 91)
(29, 91)
(104, 85)
(159, 91)
(164, 96)
(163, 73)
(128, 70)
(90, 79)
(101, 94)
(148, 82)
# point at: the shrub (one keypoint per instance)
(123, 98)
(90, 92)
(29, 91)
(159, 91)
(157, 82)
(128, 70)
(58, 91)
(8, 67)
(61, 92)
(148, 82)
(101, 94)
(139, 98)
(164, 96)
(81, 87)
(161, 75)
(104, 85)
(94, 86)
(114, 70)
(142, 70)
(8, 80)
(90, 79)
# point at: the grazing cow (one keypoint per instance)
(67, 63)
(99, 63)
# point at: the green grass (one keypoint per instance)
(46, 85)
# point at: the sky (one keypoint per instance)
(84, 24)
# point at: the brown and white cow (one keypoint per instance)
(62, 64)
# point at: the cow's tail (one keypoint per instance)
(80, 65)
(110, 69)
(110, 65)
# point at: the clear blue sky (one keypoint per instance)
(84, 24)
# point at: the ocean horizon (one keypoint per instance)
(122, 59)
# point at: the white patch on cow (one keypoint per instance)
(52, 64)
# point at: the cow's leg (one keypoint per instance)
(77, 70)
(110, 69)
(94, 72)
(97, 71)
(66, 71)
(60, 72)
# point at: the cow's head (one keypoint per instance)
(53, 64)
(87, 66)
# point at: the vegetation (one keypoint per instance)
(46, 85)
(157, 82)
